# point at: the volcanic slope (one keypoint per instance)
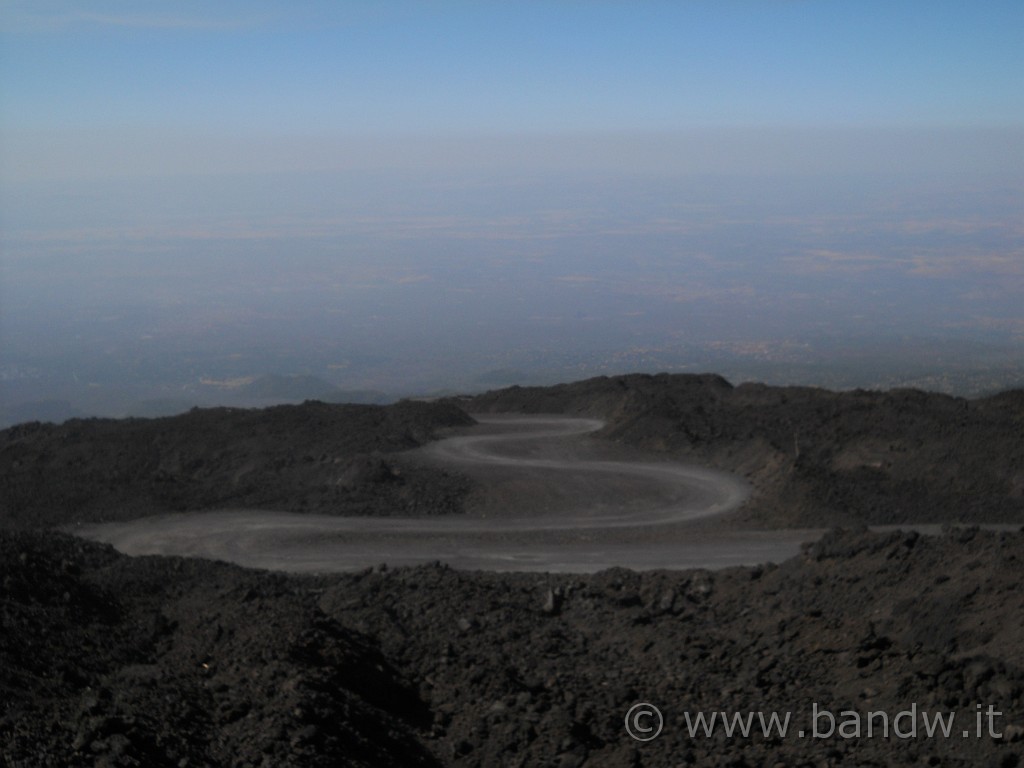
(315, 457)
(815, 457)
(107, 660)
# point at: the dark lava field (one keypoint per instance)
(110, 660)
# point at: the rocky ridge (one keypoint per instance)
(815, 457)
(116, 661)
(315, 457)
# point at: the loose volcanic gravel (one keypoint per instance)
(118, 661)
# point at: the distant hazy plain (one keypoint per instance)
(409, 196)
(875, 262)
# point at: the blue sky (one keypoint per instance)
(94, 77)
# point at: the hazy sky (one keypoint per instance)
(385, 193)
(110, 87)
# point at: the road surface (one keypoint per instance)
(550, 498)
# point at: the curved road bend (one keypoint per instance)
(551, 500)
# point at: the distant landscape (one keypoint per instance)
(836, 280)
(548, 384)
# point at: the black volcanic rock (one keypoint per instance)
(106, 660)
(815, 457)
(303, 458)
(153, 661)
(111, 660)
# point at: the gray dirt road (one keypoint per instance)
(551, 498)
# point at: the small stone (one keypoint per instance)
(1013, 733)
(667, 601)
(553, 601)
